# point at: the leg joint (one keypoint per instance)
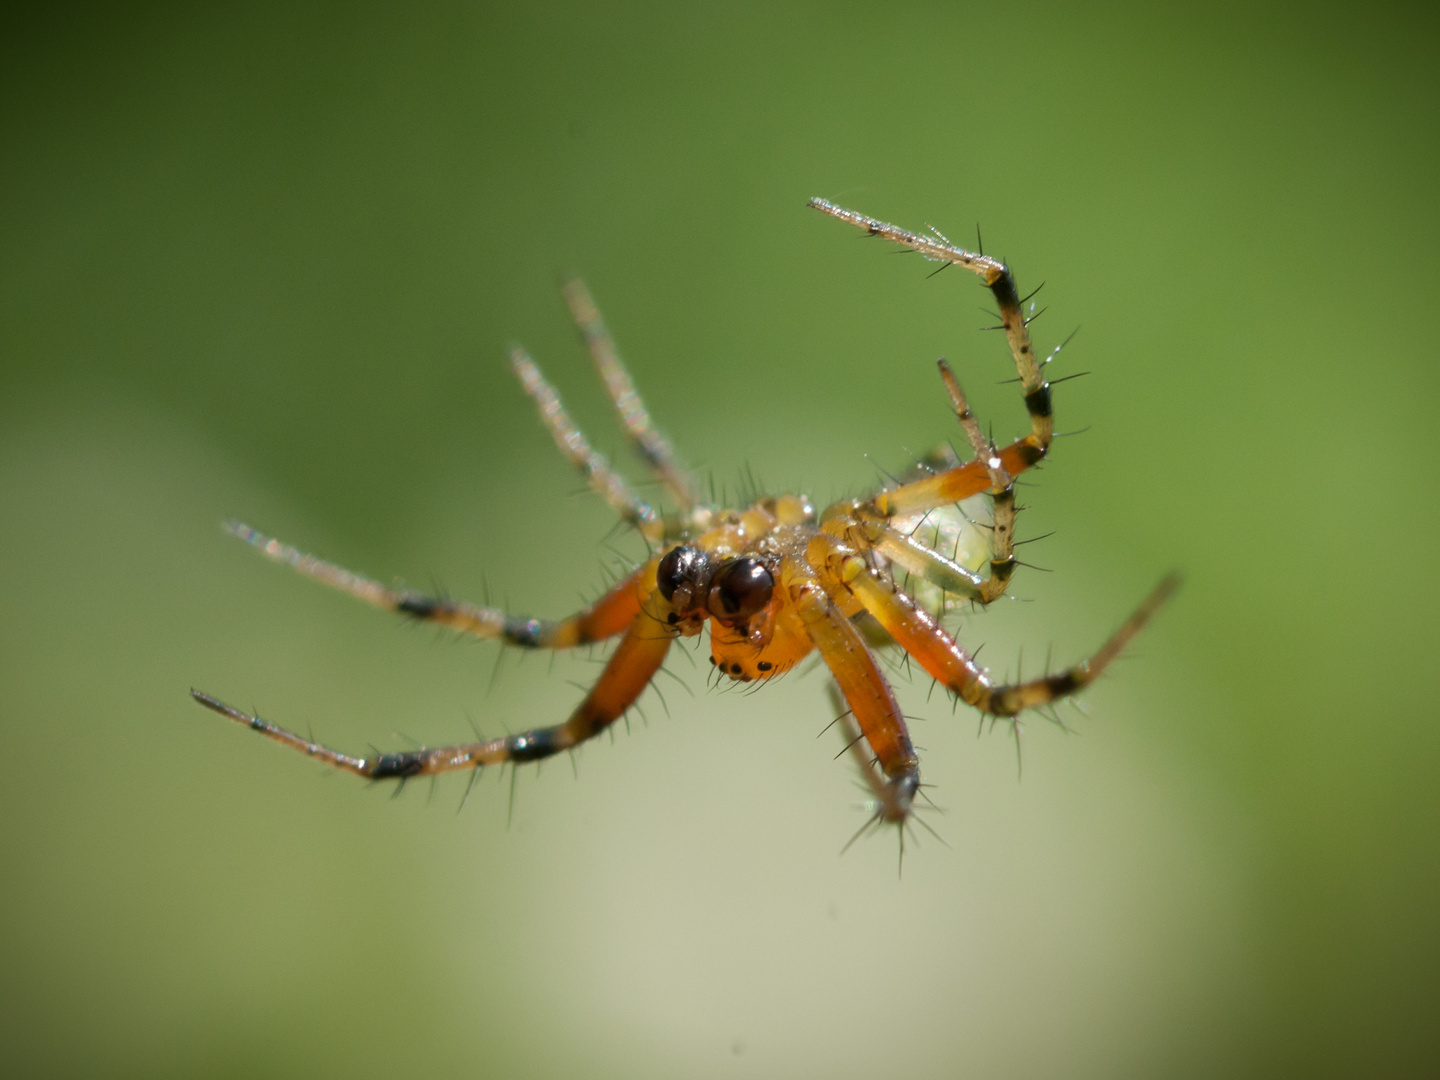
(533, 745)
(397, 766)
(1037, 401)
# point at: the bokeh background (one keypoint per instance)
(263, 262)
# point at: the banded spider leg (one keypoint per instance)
(842, 562)
(631, 608)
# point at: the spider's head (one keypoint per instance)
(700, 586)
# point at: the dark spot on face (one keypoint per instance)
(764, 665)
(735, 669)
(712, 660)
(672, 618)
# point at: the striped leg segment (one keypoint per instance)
(872, 702)
(972, 477)
(650, 443)
(608, 616)
(598, 473)
(634, 663)
(920, 635)
(955, 484)
(1002, 491)
(1010, 700)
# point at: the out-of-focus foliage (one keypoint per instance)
(263, 262)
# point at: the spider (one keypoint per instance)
(774, 581)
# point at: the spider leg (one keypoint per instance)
(650, 443)
(955, 484)
(973, 477)
(598, 473)
(634, 663)
(1002, 491)
(851, 738)
(608, 616)
(1012, 699)
(853, 667)
(922, 636)
(911, 554)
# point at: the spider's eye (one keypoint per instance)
(740, 590)
(679, 566)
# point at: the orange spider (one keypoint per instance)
(774, 580)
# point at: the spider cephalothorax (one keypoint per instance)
(773, 581)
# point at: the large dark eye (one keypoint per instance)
(740, 590)
(678, 567)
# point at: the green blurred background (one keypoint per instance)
(264, 263)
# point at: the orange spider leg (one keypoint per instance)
(650, 443)
(864, 688)
(921, 635)
(975, 476)
(608, 616)
(955, 484)
(634, 663)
